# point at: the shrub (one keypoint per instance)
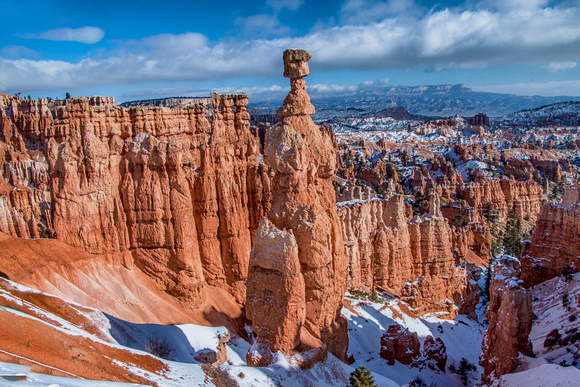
(220, 377)
(567, 273)
(463, 371)
(362, 377)
(418, 382)
(159, 347)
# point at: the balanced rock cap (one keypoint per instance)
(295, 63)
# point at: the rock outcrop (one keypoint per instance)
(554, 246)
(398, 343)
(298, 256)
(434, 353)
(166, 190)
(408, 256)
(510, 321)
(276, 303)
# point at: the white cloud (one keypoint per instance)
(285, 4)
(175, 45)
(556, 67)
(325, 88)
(365, 11)
(548, 89)
(520, 5)
(88, 35)
(262, 25)
(440, 40)
(17, 52)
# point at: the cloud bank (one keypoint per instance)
(439, 40)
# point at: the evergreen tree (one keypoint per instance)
(362, 377)
(488, 276)
(512, 237)
(464, 369)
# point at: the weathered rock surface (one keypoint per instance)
(275, 290)
(472, 292)
(408, 256)
(398, 343)
(555, 243)
(434, 353)
(217, 356)
(510, 321)
(167, 191)
(303, 160)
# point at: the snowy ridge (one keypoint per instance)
(558, 114)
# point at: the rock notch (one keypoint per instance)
(298, 253)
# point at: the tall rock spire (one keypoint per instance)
(302, 219)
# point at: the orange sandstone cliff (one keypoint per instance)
(554, 246)
(166, 190)
(409, 256)
(510, 321)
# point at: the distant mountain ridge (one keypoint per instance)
(431, 101)
(436, 100)
(440, 100)
(557, 114)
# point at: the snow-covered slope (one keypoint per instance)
(556, 305)
(368, 321)
(558, 114)
(65, 343)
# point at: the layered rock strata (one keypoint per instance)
(298, 256)
(554, 246)
(166, 190)
(398, 343)
(409, 256)
(510, 321)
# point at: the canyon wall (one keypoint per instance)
(165, 190)
(409, 256)
(510, 321)
(554, 246)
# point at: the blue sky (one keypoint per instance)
(137, 49)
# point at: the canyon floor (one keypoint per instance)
(92, 333)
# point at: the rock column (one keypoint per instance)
(303, 160)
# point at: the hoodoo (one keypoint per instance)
(554, 247)
(302, 272)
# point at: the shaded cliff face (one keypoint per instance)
(302, 219)
(165, 190)
(555, 243)
(409, 256)
(510, 321)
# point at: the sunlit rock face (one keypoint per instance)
(172, 192)
(303, 278)
(510, 321)
(554, 247)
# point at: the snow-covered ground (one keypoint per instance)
(557, 305)
(462, 338)
(367, 322)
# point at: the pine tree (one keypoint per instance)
(512, 237)
(362, 377)
(488, 276)
(464, 369)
